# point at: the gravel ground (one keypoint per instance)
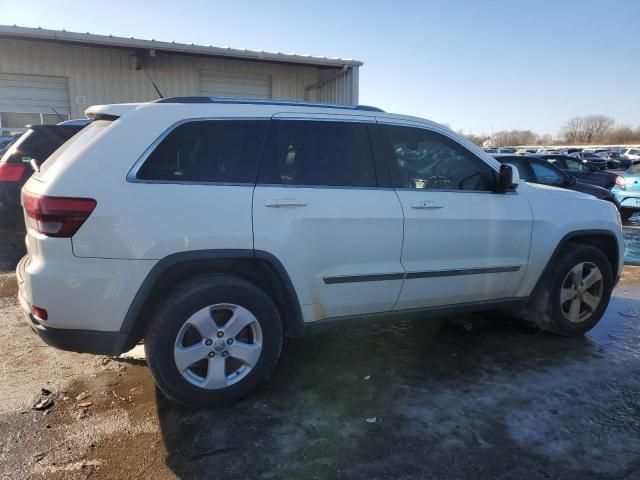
(466, 397)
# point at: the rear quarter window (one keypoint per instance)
(211, 151)
(74, 144)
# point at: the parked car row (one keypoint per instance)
(538, 169)
(568, 172)
(600, 158)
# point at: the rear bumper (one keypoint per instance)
(627, 199)
(86, 300)
(82, 341)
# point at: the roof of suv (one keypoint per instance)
(245, 101)
(119, 109)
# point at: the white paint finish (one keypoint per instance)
(33, 94)
(470, 230)
(129, 224)
(245, 85)
(78, 293)
(340, 231)
(324, 232)
(558, 212)
(162, 219)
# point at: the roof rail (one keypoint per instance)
(252, 101)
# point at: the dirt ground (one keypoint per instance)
(467, 397)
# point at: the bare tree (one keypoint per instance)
(513, 138)
(587, 129)
(596, 126)
(621, 135)
(477, 139)
(574, 130)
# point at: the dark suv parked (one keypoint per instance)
(36, 144)
(537, 170)
(583, 171)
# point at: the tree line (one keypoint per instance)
(580, 130)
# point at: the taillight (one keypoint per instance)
(56, 216)
(11, 172)
(620, 182)
(39, 313)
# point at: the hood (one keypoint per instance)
(590, 189)
(563, 192)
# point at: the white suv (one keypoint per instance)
(213, 228)
(632, 154)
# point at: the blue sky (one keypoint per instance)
(476, 65)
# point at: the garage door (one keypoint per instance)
(32, 99)
(219, 84)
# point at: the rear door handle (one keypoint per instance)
(426, 205)
(284, 202)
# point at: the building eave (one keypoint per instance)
(89, 39)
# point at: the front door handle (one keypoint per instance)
(426, 205)
(284, 202)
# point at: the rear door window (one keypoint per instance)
(212, 151)
(318, 153)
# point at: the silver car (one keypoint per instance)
(627, 191)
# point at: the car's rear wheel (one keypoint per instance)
(213, 341)
(574, 294)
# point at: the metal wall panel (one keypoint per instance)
(224, 84)
(107, 75)
(339, 86)
(33, 94)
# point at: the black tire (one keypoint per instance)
(545, 309)
(172, 313)
(626, 214)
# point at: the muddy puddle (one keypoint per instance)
(481, 395)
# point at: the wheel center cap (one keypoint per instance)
(218, 345)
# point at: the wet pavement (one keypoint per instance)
(631, 231)
(464, 397)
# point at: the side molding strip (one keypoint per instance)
(413, 275)
(462, 271)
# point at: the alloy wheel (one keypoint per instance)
(218, 346)
(581, 292)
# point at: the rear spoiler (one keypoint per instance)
(109, 112)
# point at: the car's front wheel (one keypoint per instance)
(575, 292)
(213, 341)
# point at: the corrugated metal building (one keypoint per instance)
(46, 75)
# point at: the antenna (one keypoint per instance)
(141, 66)
(59, 116)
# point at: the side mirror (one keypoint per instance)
(509, 177)
(571, 180)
